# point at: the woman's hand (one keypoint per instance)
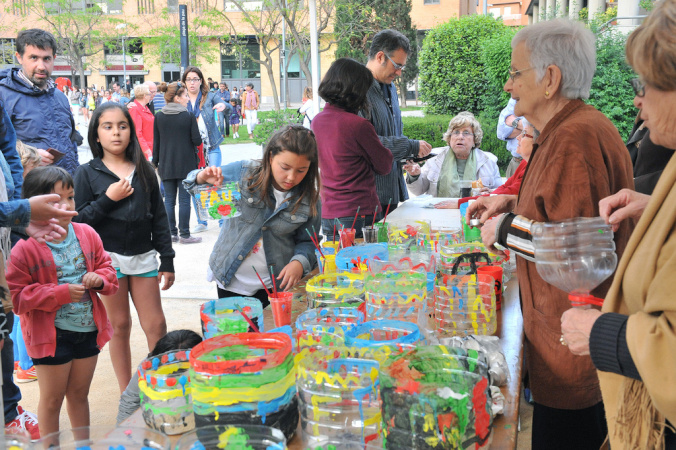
(91, 280)
(45, 207)
(576, 326)
(119, 190)
(290, 275)
(623, 205)
(489, 235)
(211, 175)
(447, 204)
(486, 207)
(220, 107)
(412, 168)
(45, 230)
(169, 278)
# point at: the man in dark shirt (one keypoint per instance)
(387, 58)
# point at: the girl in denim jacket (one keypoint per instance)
(279, 206)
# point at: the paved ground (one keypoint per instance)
(181, 306)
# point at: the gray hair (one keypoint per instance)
(141, 90)
(525, 123)
(566, 44)
(462, 120)
(388, 42)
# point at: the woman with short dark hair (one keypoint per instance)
(350, 153)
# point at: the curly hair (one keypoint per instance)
(462, 120)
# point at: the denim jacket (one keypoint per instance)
(284, 235)
(207, 112)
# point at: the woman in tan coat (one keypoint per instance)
(632, 341)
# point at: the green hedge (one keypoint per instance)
(451, 73)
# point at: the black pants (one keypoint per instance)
(260, 295)
(567, 429)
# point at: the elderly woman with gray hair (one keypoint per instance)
(461, 160)
(578, 159)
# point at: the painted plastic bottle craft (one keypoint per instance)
(164, 389)
(335, 289)
(325, 327)
(245, 437)
(222, 316)
(356, 259)
(338, 396)
(217, 202)
(395, 295)
(435, 397)
(464, 305)
(377, 333)
(104, 437)
(245, 379)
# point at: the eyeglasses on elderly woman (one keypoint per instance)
(461, 133)
(639, 87)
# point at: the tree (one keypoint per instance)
(363, 20)
(165, 38)
(264, 23)
(80, 28)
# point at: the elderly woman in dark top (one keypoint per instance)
(578, 159)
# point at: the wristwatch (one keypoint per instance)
(515, 123)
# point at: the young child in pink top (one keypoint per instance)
(55, 290)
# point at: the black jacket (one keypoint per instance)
(174, 142)
(648, 158)
(132, 226)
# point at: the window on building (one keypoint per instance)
(236, 64)
(20, 7)
(507, 11)
(198, 6)
(172, 6)
(495, 12)
(7, 50)
(72, 6)
(145, 6)
(431, 2)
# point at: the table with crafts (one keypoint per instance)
(509, 329)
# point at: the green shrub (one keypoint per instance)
(271, 121)
(496, 55)
(428, 128)
(490, 142)
(611, 91)
(451, 73)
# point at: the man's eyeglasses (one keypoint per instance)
(463, 134)
(193, 80)
(639, 87)
(396, 66)
(515, 73)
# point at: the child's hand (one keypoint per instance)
(76, 292)
(168, 279)
(211, 175)
(91, 280)
(120, 190)
(290, 275)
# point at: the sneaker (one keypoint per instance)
(26, 376)
(16, 366)
(190, 240)
(174, 238)
(25, 421)
(199, 228)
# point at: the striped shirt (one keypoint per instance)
(391, 188)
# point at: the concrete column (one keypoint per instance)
(627, 8)
(574, 8)
(551, 8)
(543, 10)
(595, 7)
(562, 8)
(536, 14)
